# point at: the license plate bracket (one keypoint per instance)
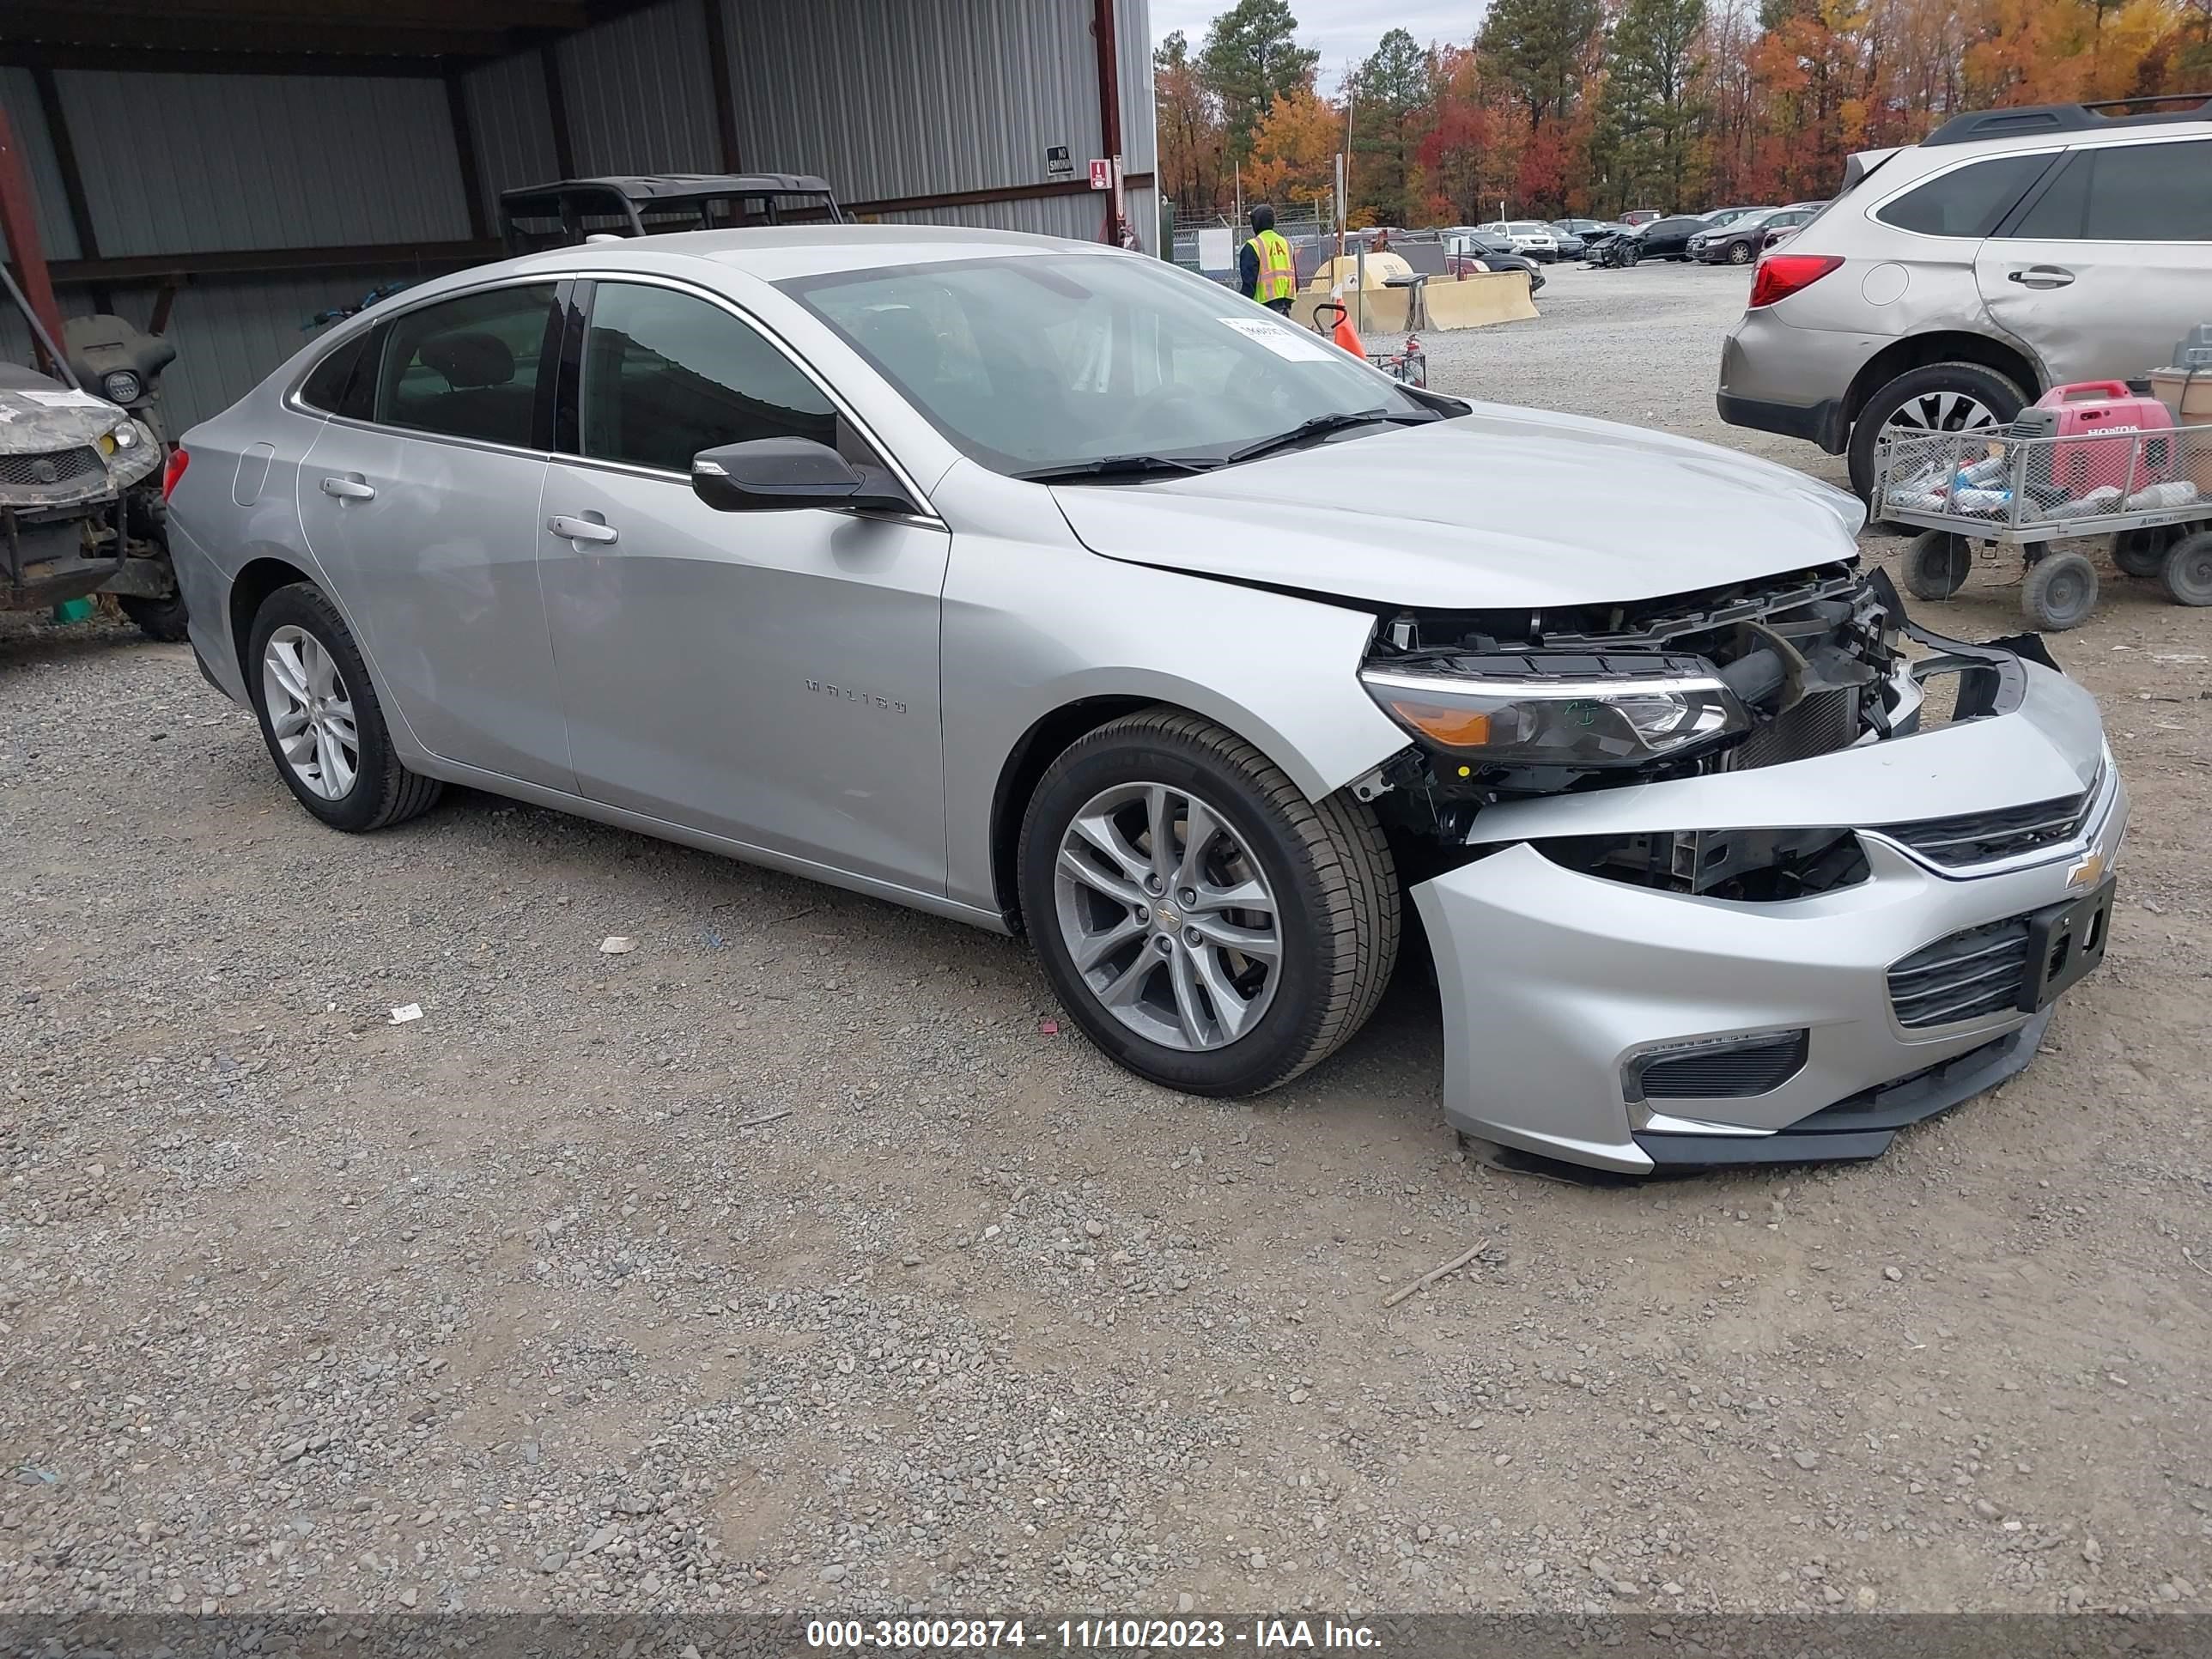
(2065, 941)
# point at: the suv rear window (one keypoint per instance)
(2127, 193)
(1966, 201)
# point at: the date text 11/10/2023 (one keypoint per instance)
(1094, 1633)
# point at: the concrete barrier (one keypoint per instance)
(1473, 301)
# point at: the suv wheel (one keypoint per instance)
(1207, 926)
(1941, 398)
(320, 717)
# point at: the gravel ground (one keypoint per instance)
(796, 1257)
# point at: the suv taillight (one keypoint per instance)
(1781, 274)
(172, 471)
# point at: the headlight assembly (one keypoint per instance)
(125, 436)
(1542, 721)
(121, 385)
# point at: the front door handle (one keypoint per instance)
(2041, 276)
(349, 489)
(570, 529)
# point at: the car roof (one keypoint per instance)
(2034, 121)
(774, 252)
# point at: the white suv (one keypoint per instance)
(1954, 281)
(1527, 236)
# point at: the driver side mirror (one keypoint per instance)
(771, 474)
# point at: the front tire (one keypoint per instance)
(2060, 592)
(1204, 924)
(320, 717)
(1739, 254)
(1940, 397)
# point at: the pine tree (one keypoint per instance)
(1251, 58)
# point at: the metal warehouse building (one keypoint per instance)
(221, 170)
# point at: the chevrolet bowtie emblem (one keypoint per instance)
(2088, 872)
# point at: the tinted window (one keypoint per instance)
(2129, 193)
(468, 368)
(667, 374)
(344, 382)
(1967, 201)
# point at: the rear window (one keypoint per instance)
(1966, 201)
(344, 383)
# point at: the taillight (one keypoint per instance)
(1781, 274)
(173, 471)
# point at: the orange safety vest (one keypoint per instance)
(1278, 277)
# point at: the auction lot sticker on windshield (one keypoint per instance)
(1282, 339)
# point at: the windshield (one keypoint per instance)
(1038, 363)
(1525, 227)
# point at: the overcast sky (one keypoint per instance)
(1345, 30)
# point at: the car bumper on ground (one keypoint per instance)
(1567, 996)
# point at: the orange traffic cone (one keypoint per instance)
(1348, 337)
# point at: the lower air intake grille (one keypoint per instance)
(1726, 1070)
(1971, 974)
(1817, 725)
(61, 466)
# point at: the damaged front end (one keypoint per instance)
(1716, 878)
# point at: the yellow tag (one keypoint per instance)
(106, 443)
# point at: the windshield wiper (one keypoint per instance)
(1321, 425)
(1121, 467)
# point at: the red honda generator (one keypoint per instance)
(2094, 410)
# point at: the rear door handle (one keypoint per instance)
(582, 530)
(2041, 276)
(349, 489)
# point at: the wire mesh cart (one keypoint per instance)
(2149, 490)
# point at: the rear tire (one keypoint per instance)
(158, 619)
(341, 767)
(1331, 892)
(2186, 575)
(2061, 591)
(1936, 565)
(2142, 552)
(1942, 397)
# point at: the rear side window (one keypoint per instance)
(2127, 193)
(1966, 201)
(344, 383)
(468, 368)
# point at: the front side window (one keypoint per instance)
(1034, 363)
(467, 367)
(2127, 193)
(1966, 201)
(667, 374)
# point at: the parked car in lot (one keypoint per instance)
(1956, 279)
(1641, 215)
(1583, 227)
(1743, 242)
(1716, 217)
(1466, 249)
(1668, 238)
(838, 550)
(1568, 246)
(1527, 236)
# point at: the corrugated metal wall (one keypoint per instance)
(640, 96)
(209, 161)
(511, 125)
(919, 98)
(18, 96)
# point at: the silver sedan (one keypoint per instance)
(1050, 588)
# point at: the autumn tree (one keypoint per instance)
(1648, 114)
(1191, 165)
(1251, 58)
(1389, 105)
(1539, 46)
(1294, 151)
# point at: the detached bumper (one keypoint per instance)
(1560, 987)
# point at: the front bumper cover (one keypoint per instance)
(1553, 981)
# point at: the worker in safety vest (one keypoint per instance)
(1263, 264)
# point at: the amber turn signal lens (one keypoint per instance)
(1455, 728)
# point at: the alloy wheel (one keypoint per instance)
(310, 711)
(1940, 411)
(1168, 917)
